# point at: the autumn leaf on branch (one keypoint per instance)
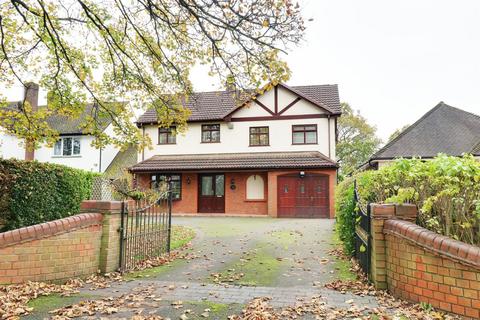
(142, 52)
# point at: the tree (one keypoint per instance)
(357, 140)
(397, 132)
(107, 51)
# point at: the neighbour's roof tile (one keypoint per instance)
(121, 162)
(66, 125)
(227, 161)
(215, 105)
(444, 129)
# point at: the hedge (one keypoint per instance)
(345, 214)
(446, 191)
(34, 192)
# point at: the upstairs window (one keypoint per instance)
(304, 134)
(167, 135)
(67, 147)
(259, 136)
(210, 133)
(159, 181)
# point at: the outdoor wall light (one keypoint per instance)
(302, 174)
(189, 180)
(232, 184)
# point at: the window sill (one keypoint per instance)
(255, 200)
(165, 144)
(260, 145)
(76, 156)
(210, 142)
(303, 144)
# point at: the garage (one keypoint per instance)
(303, 196)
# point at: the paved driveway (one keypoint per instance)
(238, 259)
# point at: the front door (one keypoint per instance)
(211, 198)
(303, 197)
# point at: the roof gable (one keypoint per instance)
(444, 129)
(218, 105)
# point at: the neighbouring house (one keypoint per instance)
(271, 155)
(73, 149)
(443, 129)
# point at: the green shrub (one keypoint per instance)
(446, 190)
(34, 192)
(345, 215)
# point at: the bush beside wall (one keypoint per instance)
(446, 191)
(34, 192)
(345, 215)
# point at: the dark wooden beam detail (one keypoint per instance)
(290, 105)
(277, 117)
(275, 93)
(264, 107)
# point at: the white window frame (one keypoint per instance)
(72, 154)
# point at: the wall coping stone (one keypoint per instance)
(101, 206)
(48, 229)
(434, 242)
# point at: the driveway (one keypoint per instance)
(236, 260)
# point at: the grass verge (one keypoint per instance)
(343, 265)
(181, 236)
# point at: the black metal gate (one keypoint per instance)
(362, 233)
(145, 230)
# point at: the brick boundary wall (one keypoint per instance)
(419, 265)
(423, 266)
(54, 250)
(75, 246)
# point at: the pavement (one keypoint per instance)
(236, 260)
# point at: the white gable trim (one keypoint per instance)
(268, 107)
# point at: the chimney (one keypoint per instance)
(230, 84)
(31, 97)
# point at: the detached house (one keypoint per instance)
(271, 155)
(443, 129)
(73, 148)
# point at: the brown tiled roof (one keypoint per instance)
(215, 105)
(228, 161)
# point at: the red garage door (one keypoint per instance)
(306, 197)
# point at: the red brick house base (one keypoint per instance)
(291, 184)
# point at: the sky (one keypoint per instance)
(392, 60)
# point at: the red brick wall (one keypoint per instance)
(55, 250)
(423, 266)
(236, 200)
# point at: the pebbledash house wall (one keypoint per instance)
(76, 246)
(236, 201)
(416, 264)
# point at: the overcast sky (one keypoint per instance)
(392, 60)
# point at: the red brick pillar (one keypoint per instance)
(110, 242)
(379, 213)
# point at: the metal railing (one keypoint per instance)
(362, 232)
(145, 230)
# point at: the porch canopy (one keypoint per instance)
(235, 161)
